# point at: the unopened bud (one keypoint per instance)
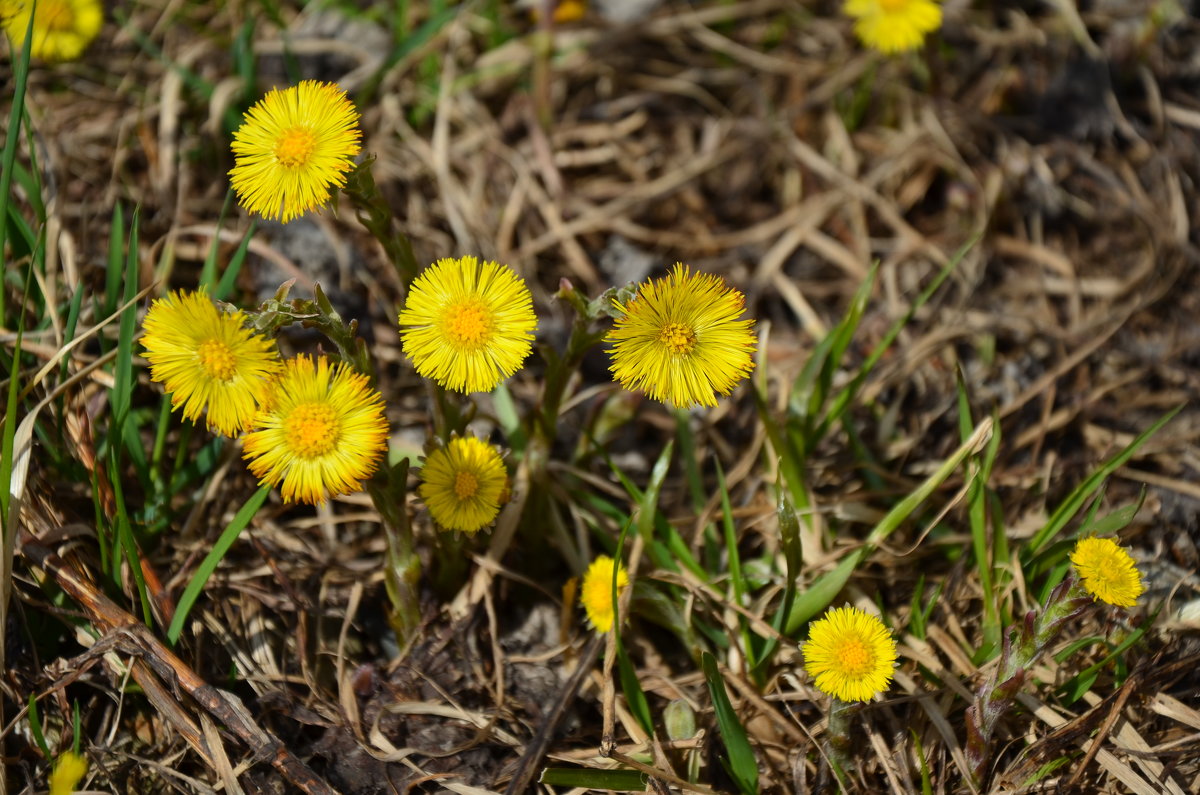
(680, 720)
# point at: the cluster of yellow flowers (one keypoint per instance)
(62, 29)
(317, 429)
(850, 654)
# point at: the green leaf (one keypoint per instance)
(742, 765)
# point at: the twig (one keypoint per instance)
(158, 669)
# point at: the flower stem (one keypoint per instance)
(377, 217)
(837, 737)
(1023, 646)
(402, 566)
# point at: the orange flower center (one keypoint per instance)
(892, 6)
(217, 360)
(55, 16)
(312, 429)
(854, 657)
(465, 485)
(468, 324)
(677, 338)
(295, 146)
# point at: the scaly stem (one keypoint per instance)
(377, 217)
(1023, 646)
(402, 567)
(837, 737)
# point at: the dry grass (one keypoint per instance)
(754, 139)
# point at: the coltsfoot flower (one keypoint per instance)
(893, 26)
(1107, 571)
(322, 433)
(69, 770)
(596, 592)
(462, 484)
(680, 339)
(62, 29)
(208, 360)
(850, 654)
(470, 324)
(294, 146)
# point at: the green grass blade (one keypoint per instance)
(789, 451)
(977, 515)
(742, 765)
(8, 158)
(229, 278)
(691, 464)
(8, 444)
(1074, 688)
(35, 727)
(647, 506)
(827, 586)
(1070, 506)
(124, 542)
(845, 396)
(418, 38)
(830, 360)
(122, 392)
(212, 560)
(122, 430)
(29, 182)
(208, 272)
(116, 259)
(635, 696)
(583, 778)
(737, 581)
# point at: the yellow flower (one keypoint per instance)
(850, 654)
(597, 591)
(69, 770)
(892, 26)
(1107, 571)
(322, 433)
(62, 29)
(294, 145)
(463, 483)
(471, 323)
(680, 339)
(208, 359)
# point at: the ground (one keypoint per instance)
(1044, 156)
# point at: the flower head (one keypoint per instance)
(463, 483)
(597, 591)
(208, 359)
(322, 433)
(470, 323)
(295, 144)
(62, 29)
(850, 654)
(1107, 571)
(892, 26)
(680, 339)
(69, 770)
